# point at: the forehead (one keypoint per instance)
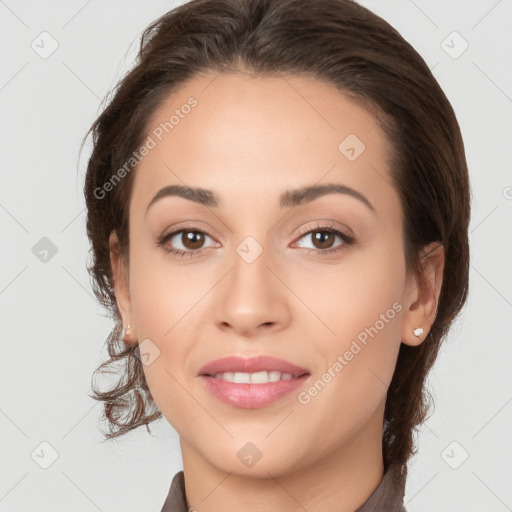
(246, 134)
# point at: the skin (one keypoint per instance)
(248, 140)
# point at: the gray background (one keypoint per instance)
(53, 331)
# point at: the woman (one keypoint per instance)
(278, 205)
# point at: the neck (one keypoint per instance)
(342, 481)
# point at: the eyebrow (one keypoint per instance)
(288, 199)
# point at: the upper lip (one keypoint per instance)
(251, 365)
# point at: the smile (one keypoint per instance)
(254, 378)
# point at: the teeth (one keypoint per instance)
(254, 378)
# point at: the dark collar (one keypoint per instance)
(387, 497)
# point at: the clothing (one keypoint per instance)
(387, 497)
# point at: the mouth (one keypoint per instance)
(253, 365)
(252, 383)
(262, 377)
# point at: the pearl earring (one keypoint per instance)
(418, 331)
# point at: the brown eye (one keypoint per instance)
(192, 239)
(323, 239)
(185, 242)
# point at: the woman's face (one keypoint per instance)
(259, 274)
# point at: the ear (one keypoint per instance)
(122, 288)
(423, 295)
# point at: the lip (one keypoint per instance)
(251, 365)
(251, 396)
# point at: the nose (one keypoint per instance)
(252, 299)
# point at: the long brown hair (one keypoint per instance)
(335, 41)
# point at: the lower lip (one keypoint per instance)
(251, 396)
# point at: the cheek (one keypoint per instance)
(163, 292)
(351, 385)
(175, 397)
(361, 293)
(166, 300)
(359, 305)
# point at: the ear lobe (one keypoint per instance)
(121, 285)
(422, 310)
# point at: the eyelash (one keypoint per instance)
(347, 240)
